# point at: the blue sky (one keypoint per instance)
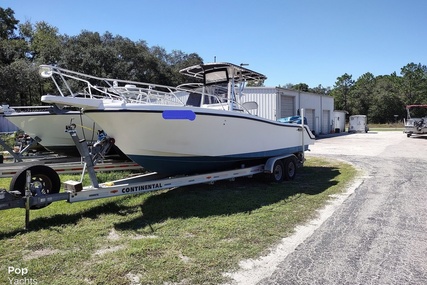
(290, 41)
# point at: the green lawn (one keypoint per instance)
(190, 234)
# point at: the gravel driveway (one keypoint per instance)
(378, 232)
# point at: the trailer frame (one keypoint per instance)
(74, 192)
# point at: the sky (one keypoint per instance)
(289, 41)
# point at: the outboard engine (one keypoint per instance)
(419, 125)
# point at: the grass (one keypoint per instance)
(386, 127)
(187, 235)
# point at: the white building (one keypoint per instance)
(275, 103)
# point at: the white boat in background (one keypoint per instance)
(47, 123)
(181, 130)
(416, 121)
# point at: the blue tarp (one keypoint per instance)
(292, 120)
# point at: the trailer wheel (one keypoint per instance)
(290, 168)
(278, 171)
(44, 180)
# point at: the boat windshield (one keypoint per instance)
(416, 111)
(212, 94)
(216, 76)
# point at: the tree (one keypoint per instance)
(12, 50)
(8, 23)
(101, 55)
(320, 90)
(178, 60)
(360, 95)
(414, 83)
(45, 44)
(11, 46)
(21, 83)
(386, 102)
(301, 87)
(341, 91)
(289, 86)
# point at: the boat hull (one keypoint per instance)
(50, 128)
(413, 130)
(193, 140)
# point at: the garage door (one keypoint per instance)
(326, 122)
(287, 106)
(309, 114)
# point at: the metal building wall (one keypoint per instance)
(271, 100)
(287, 106)
(323, 106)
(266, 98)
(326, 122)
(6, 126)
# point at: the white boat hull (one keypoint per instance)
(50, 128)
(197, 139)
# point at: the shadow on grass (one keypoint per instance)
(229, 197)
(59, 220)
(223, 198)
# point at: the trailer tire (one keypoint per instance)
(290, 168)
(43, 176)
(278, 171)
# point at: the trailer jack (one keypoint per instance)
(34, 194)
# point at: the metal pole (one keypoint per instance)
(302, 133)
(84, 152)
(27, 199)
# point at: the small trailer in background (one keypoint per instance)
(358, 124)
(338, 123)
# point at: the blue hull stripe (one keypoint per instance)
(179, 115)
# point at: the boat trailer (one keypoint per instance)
(24, 145)
(38, 186)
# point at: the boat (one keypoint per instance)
(416, 120)
(192, 128)
(47, 124)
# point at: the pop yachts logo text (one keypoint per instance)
(21, 272)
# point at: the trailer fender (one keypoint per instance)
(290, 165)
(282, 167)
(269, 164)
